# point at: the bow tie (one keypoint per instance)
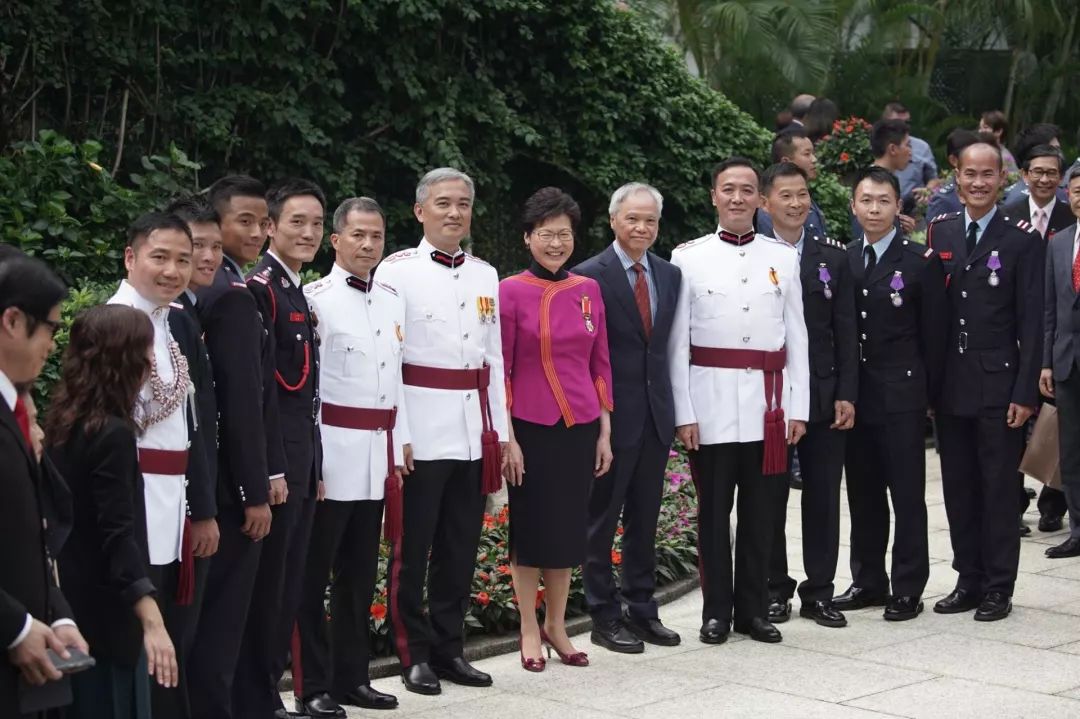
(736, 239)
(446, 259)
(357, 284)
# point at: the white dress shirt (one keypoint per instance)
(166, 498)
(360, 366)
(445, 328)
(727, 300)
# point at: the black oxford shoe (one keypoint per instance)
(958, 601)
(858, 598)
(366, 697)
(761, 630)
(459, 671)
(614, 636)
(901, 609)
(1049, 524)
(652, 631)
(420, 679)
(779, 610)
(320, 705)
(1069, 548)
(995, 606)
(713, 631)
(824, 613)
(1024, 529)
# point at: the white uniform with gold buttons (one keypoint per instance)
(360, 366)
(737, 297)
(451, 322)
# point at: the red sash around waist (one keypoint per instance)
(772, 366)
(163, 461)
(169, 461)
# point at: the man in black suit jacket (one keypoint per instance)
(296, 209)
(1042, 168)
(640, 291)
(829, 311)
(994, 266)
(34, 616)
(235, 340)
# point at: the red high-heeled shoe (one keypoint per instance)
(577, 659)
(528, 663)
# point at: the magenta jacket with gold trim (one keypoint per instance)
(555, 347)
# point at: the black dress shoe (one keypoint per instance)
(652, 631)
(900, 609)
(713, 631)
(824, 613)
(761, 630)
(958, 601)
(1024, 529)
(319, 705)
(459, 671)
(614, 636)
(1049, 524)
(995, 606)
(1029, 493)
(779, 610)
(858, 598)
(286, 714)
(1069, 548)
(419, 678)
(366, 697)
(795, 480)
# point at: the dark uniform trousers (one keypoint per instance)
(821, 456)
(633, 489)
(334, 653)
(888, 460)
(717, 469)
(182, 622)
(443, 514)
(1067, 398)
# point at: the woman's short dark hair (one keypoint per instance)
(104, 366)
(546, 203)
(996, 120)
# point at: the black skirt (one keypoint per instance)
(549, 510)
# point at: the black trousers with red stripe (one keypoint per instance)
(443, 513)
(743, 593)
(334, 654)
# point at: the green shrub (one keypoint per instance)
(834, 199)
(84, 294)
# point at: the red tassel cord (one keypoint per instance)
(185, 585)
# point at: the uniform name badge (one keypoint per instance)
(825, 278)
(897, 284)
(775, 279)
(586, 313)
(994, 263)
(485, 310)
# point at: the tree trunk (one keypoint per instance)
(1010, 90)
(1057, 87)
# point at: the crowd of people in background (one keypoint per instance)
(226, 441)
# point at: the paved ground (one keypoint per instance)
(933, 666)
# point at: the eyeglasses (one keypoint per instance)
(1039, 173)
(547, 236)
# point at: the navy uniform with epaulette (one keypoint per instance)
(901, 314)
(829, 311)
(234, 339)
(292, 376)
(993, 359)
(944, 199)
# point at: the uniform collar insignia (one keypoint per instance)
(447, 260)
(734, 239)
(357, 284)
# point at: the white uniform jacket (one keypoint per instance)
(165, 495)
(360, 366)
(729, 300)
(451, 322)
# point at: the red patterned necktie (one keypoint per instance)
(641, 297)
(1076, 273)
(22, 417)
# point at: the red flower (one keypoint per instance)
(484, 576)
(489, 522)
(378, 611)
(503, 569)
(836, 125)
(849, 129)
(844, 157)
(482, 598)
(616, 557)
(504, 515)
(482, 557)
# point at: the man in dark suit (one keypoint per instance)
(829, 311)
(995, 275)
(1060, 376)
(296, 209)
(900, 300)
(34, 616)
(641, 291)
(234, 338)
(1042, 168)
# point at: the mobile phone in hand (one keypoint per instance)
(77, 662)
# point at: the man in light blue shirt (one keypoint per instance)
(923, 167)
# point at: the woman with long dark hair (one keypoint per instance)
(104, 565)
